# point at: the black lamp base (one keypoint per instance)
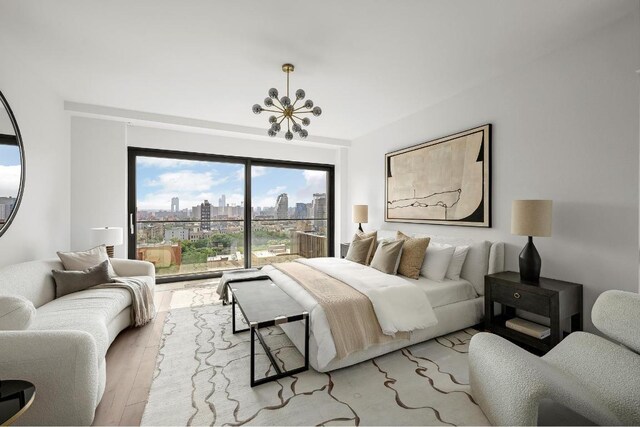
(360, 227)
(530, 263)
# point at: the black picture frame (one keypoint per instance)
(433, 205)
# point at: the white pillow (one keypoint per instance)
(436, 262)
(457, 261)
(16, 313)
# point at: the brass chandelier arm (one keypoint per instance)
(282, 120)
(299, 118)
(303, 112)
(272, 111)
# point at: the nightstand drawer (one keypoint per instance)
(516, 297)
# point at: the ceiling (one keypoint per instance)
(365, 62)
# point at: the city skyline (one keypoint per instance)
(160, 180)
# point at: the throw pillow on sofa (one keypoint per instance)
(81, 260)
(74, 281)
(16, 313)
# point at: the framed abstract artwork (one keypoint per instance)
(445, 181)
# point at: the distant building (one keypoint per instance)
(222, 204)
(178, 233)
(195, 212)
(6, 207)
(319, 210)
(301, 211)
(205, 215)
(175, 204)
(282, 206)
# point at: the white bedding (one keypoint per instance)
(399, 305)
(445, 292)
(326, 351)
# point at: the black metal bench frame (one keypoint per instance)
(254, 328)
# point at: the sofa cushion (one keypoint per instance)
(68, 282)
(32, 280)
(90, 310)
(16, 313)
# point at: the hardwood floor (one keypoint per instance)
(131, 360)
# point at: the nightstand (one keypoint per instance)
(344, 248)
(554, 299)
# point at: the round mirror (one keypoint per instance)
(11, 166)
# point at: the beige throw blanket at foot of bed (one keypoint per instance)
(143, 309)
(352, 320)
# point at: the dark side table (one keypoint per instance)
(554, 299)
(15, 398)
(344, 248)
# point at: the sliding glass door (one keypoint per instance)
(189, 214)
(289, 216)
(195, 215)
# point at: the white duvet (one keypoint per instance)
(399, 305)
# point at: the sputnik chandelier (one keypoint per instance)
(284, 109)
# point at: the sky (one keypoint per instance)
(9, 170)
(159, 179)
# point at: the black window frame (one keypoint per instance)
(248, 162)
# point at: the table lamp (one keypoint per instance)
(360, 215)
(108, 236)
(531, 218)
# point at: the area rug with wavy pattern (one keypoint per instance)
(202, 378)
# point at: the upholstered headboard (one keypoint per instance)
(483, 258)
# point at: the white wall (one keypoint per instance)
(41, 225)
(99, 167)
(565, 128)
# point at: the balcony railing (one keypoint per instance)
(183, 247)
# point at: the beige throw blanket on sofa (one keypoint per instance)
(143, 309)
(352, 320)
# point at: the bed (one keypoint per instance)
(456, 304)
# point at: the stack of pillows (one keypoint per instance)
(83, 270)
(409, 256)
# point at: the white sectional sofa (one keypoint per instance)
(63, 350)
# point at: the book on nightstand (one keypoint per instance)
(528, 328)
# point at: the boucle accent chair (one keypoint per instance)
(596, 378)
(62, 350)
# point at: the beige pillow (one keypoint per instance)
(374, 243)
(81, 260)
(359, 250)
(413, 252)
(387, 257)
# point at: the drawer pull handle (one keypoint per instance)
(516, 295)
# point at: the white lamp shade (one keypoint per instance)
(109, 236)
(531, 218)
(361, 213)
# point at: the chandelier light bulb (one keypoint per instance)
(283, 108)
